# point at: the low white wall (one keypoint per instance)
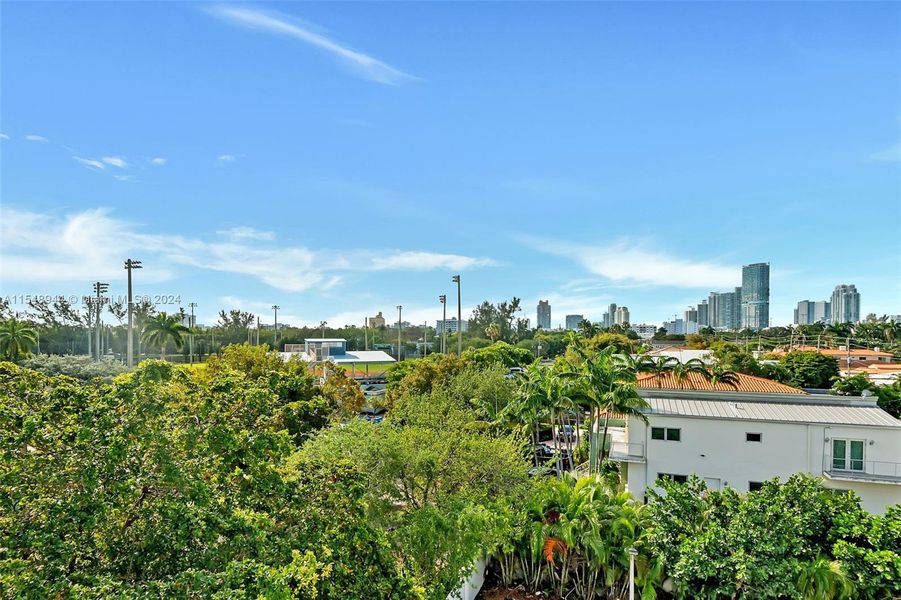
(470, 588)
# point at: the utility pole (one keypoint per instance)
(99, 289)
(400, 326)
(258, 330)
(443, 299)
(456, 279)
(425, 339)
(191, 338)
(130, 350)
(275, 308)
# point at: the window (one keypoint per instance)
(672, 477)
(667, 433)
(753, 486)
(847, 455)
(753, 437)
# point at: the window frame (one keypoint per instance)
(847, 460)
(755, 486)
(674, 477)
(759, 435)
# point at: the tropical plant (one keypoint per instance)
(682, 372)
(16, 339)
(659, 367)
(722, 375)
(162, 328)
(492, 332)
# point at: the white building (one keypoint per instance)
(451, 325)
(742, 438)
(622, 315)
(358, 363)
(644, 330)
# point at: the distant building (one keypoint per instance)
(644, 330)
(702, 314)
(572, 321)
(189, 321)
(544, 314)
(451, 325)
(674, 327)
(691, 320)
(610, 316)
(809, 312)
(724, 310)
(622, 316)
(755, 296)
(845, 304)
(377, 321)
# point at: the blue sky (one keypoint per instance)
(342, 158)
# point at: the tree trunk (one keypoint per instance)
(604, 437)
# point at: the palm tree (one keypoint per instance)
(608, 386)
(493, 331)
(682, 371)
(16, 339)
(822, 579)
(161, 328)
(588, 329)
(660, 367)
(721, 374)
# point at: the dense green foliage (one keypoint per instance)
(788, 541)
(164, 484)
(78, 366)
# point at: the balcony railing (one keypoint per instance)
(862, 470)
(627, 451)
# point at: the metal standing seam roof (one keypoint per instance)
(826, 414)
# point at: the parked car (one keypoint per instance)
(567, 433)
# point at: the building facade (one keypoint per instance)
(609, 318)
(544, 314)
(755, 296)
(622, 316)
(845, 304)
(740, 440)
(450, 325)
(644, 330)
(702, 314)
(724, 310)
(377, 321)
(572, 321)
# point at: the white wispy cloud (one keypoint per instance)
(363, 65)
(90, 163)
(246, 233)
(35, 138)
(35, 247)
(115, 161)
(3, 136)
(631, 262)
(226, 158)
(123, 177)
(427, 261)
(890, 154)
(158, 161)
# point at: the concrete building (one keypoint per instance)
(763, 430)
(359, 363)
(451, 325)
(377, 321)
(675, 327)
(845, 304)
(610, 316)
(544, 314)
(644, 330)
(702, 314)
(690, 317)
(572, 321)
(809, 312)
(725, 310)
(755, 296)
(622, 316)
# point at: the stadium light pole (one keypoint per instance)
(400, 326)
(322, 324)
(443, 299)
(191, 338)
(99, 289)
(130, 265)
(456, 279)
(275, 308)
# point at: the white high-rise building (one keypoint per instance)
(845, 304)
(622, 316)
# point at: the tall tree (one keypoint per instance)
(16, 339)
(162, 328)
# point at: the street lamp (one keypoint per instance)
(130, 352)
(443, 300)
(400, 326)
(456, 279)
(275, 308)
(632, 554)
(322, 324)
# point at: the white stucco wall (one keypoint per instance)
(716, 450)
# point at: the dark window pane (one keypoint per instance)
(755, 485)
(656, 433)
(674, 435)
(753, 437)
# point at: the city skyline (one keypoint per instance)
(323, 182)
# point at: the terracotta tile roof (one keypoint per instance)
(696, 381)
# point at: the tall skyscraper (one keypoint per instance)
(572, 321)
(622, 315)
(845, 304)
(724, 310)
(544, 314)
(703, 314)
(610, 316)
(804, 313)
(755, 296)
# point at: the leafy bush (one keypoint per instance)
(79, 367)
